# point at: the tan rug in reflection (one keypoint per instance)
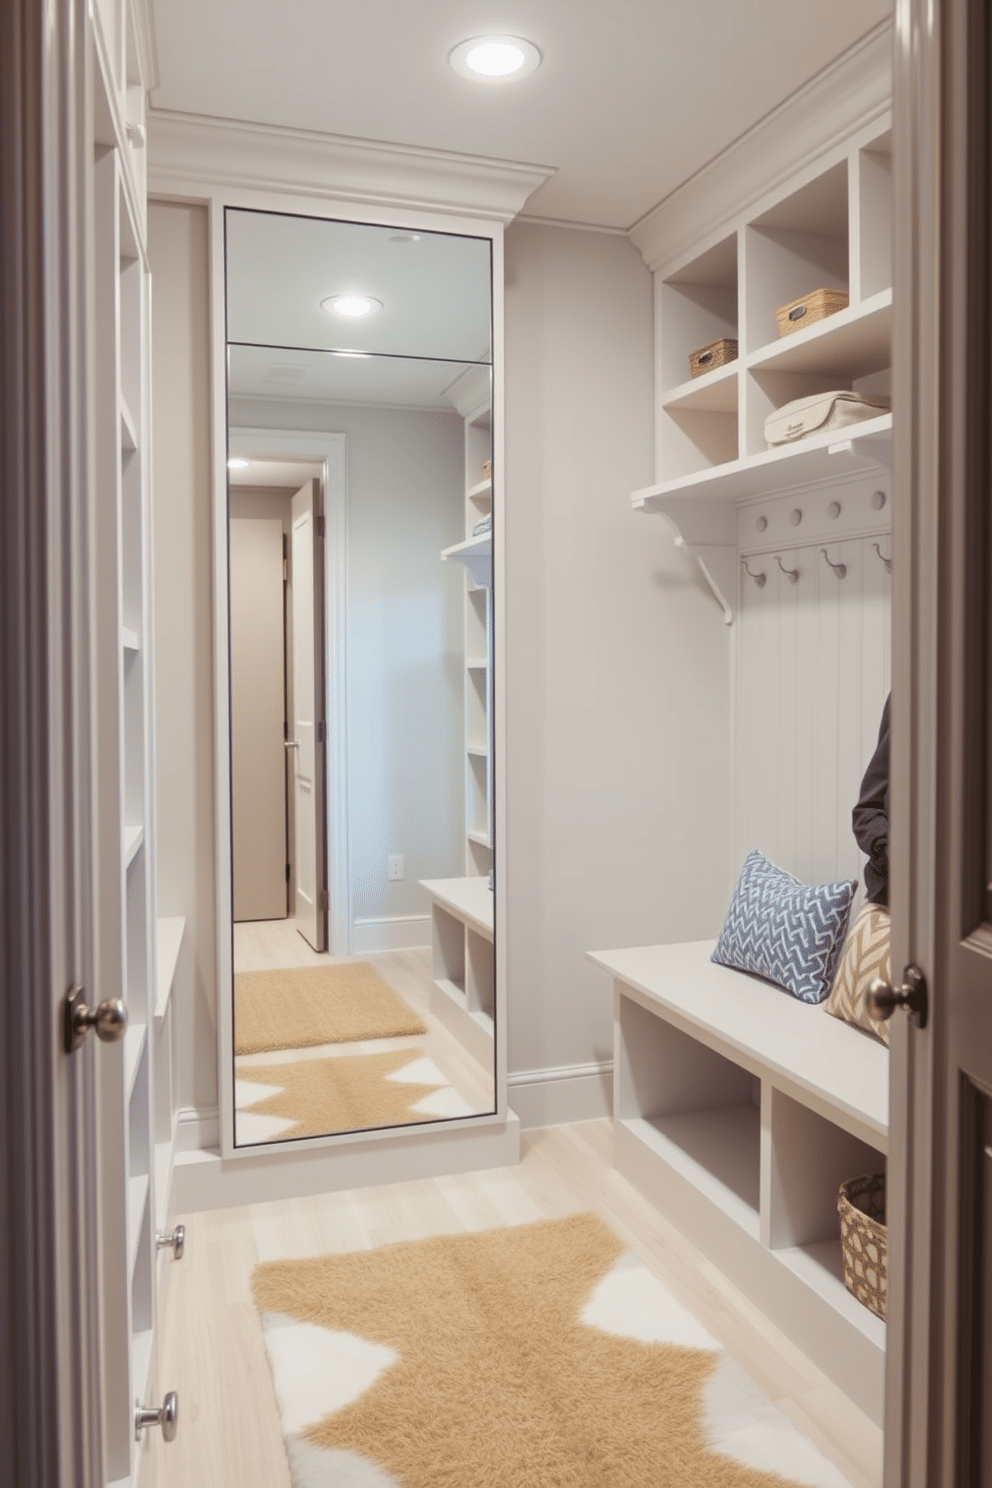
(515, 1358)
(297, 1007)
(348, 1092)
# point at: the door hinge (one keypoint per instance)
(318, 526)
(323, 900)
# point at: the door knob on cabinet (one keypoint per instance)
(883, 999)
(176, 1242)
(108, 1018)
(166, 1416)
(291, 744)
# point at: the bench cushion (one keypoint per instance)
(787, 931)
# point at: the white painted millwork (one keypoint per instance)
(140, 954)
(739, 1111)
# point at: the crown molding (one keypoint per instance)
(190, 150)
(144, 31)
(851, 93)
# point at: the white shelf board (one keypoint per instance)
(467, 899)
(481, 494)
(163, 1181)
(851, 343)
(477, 665)
(129, 639)
(476, 553)
(137, 1200)
(857, 450)
(129, 429)
(452, 990)
(481, 838)
(713, 392)
(133, 838)
(823, 1063)
(135, 1042)
(170, 931)
(821, 1267)
(717, 1151)
(479, 751)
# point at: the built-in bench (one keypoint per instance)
(739, 1111)
(463, 987)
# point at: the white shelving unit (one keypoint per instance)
(474, 553)
(137, 1108)
(739, 1111)
(833, 230)
(463, 989)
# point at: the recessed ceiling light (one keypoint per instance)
(352, 306)
(404, 237)
(494, 59)
(236, 463)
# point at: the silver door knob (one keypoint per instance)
(883, 999)
(176, 1242)
(108, 1019)
(166, 1416)
(291, 744)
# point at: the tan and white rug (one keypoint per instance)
(297, 1007)
(524, 1357)
(346, 1092)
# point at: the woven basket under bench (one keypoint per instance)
(864, 1240)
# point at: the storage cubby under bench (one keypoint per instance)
(739, 1111)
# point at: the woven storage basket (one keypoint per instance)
(864, 1240)
(716, 354)
(800, 313)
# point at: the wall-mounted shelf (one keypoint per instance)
(476, 553)
(830, 229)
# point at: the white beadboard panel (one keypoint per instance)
(813, 671)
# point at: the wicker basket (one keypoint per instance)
(798, 314)
(716, 354)
(864, 1240)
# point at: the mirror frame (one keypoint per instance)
(403, 1139)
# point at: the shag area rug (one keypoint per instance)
(296, 1007)
(347, 1092)
(526, 1357)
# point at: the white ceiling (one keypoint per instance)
(632, 97)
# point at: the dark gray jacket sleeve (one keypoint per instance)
(870, 817)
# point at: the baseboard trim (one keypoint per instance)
(554, 1097)
(390, 933)
(205, 1180)
(198, 1128)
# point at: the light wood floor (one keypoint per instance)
(212, 1349)
(267, 944)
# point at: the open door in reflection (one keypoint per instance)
(364, 472)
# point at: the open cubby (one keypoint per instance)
(875, 216)
(690, 440)
(698, 304)
(463, 989)
(798, 245)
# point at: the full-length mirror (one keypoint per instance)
(359, 365)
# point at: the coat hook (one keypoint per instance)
(792, 574)
(886, 561)
(760, 579)
(840, 569)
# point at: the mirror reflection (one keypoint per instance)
(360, 570)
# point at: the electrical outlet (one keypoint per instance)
(394, 866)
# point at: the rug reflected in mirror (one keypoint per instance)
(297, 1007)
(279, 1102)
(538, 1356)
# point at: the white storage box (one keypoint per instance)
(820, 413)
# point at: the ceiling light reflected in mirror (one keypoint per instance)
(495, 59)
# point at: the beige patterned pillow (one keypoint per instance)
(867, 955)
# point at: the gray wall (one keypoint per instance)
(618, 672)
(617, 659)
(184, 682)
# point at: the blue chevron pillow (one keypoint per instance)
(786, 931)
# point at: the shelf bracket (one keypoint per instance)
(707, 531)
